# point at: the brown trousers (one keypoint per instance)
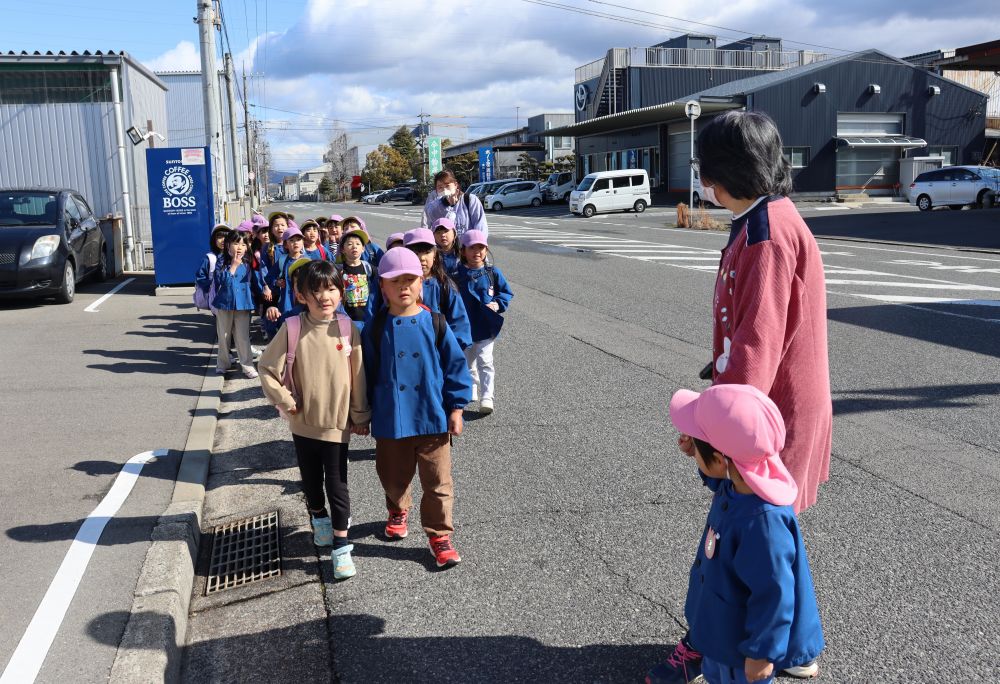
(430, 455)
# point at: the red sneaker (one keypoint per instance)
(444, 553)
(396, 528)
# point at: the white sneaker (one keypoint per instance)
(807, 671)
(486, 407)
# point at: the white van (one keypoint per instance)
(611, 191)
(557, 186)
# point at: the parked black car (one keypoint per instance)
(49, 241)
(400, 194)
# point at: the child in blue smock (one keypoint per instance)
(373, 253)
(285, 304)
(235, 284)
(444, 236)
(439, 292)
(418, 387)
(750, 606)
(486, 295)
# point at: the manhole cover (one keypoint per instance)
(244, 551)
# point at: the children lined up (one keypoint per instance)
(396, 342)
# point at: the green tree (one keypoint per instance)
(528, 166)
(465, 167)
(403, 142)
(325, 188)
(384, 168)
(567, 162)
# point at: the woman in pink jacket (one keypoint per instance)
(769, 310)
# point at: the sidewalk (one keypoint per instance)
(543, 511)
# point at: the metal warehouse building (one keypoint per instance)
(63, 122)
(845, 121)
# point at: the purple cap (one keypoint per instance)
(293, 231)
(357, 219)
(395, 237)
(336, 217)
(258, 220)
(473, 237)
(399, 261)
(245, 227)
(419, 236)
(292, 225)
(443, 222)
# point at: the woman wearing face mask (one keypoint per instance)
(448, 201)
(769, 311)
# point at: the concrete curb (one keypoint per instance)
(150, 649)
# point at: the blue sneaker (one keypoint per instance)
(343, 564)
(322, 531)
(683, 666)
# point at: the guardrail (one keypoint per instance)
(764, 60)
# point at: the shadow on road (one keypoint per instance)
(972, 229)
(967, 334)
(899, 398)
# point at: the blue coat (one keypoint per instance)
(234, 292)
(477, 291)
(272, 267)
(372, 253)
(317, 254)
(456, 315)
(451, 263)
(415, 385)
(754, 598)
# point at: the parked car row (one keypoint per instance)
(401, 193)
(956, 187)
(624, 190)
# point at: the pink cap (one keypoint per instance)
(744, 425)
(473, 237)
(336, 217)
(443, 222)
(395, 237)
(293, 231)
(292, 225)
(360, 221)
(419, 236)
(399, 261)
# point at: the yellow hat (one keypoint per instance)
(297, 264)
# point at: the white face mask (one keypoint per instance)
(446, 192)
(708, 194)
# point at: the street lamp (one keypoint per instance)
(693, 110)
(138, 138)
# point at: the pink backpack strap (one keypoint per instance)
(344, 322)
(293, 326)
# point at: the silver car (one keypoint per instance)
(956, 187)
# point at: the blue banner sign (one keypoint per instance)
(631, 159)
(485, 164)
(180, 210)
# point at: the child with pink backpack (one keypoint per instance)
(313, 373)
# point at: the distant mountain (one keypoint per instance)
(278, 176)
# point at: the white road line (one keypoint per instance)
(656, 250)
(93, 307)
(678, 258)
(927, 286)
(908, 251)
(831, 208)
(30, 653)
(907, 299)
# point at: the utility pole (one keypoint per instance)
(233, 144)
(210, 87)
(251, 177)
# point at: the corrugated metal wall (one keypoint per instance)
(658, 85)
(144, 100)
(62, 145)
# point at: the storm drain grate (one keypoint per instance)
(244, 551)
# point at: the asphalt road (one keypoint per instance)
(577, 519)
(84, 392)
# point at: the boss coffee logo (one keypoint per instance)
(177, 187)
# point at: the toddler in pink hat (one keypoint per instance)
(750, 605)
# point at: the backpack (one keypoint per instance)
(202, 299)
(293, 327)
(378, 327)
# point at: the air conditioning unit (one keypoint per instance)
(874, 89)
(819, 88)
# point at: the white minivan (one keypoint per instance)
(624, 190)
(519, 194)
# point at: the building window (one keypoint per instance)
(949, 152)
(865, 123)
(51, 86)
(798, 157)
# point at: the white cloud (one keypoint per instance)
(184, 57)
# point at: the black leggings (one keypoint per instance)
(321, 462)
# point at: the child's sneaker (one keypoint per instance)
(343, 564)
(220, 371)
(396, 527)
(444, 552)
(322, 531)
(806, 671)
(486, 407)
(683, 666)
(250, 374)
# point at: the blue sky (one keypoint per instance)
(371, 63)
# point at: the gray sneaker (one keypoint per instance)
(343, 564)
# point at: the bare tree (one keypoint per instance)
(343, 161)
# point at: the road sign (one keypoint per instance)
(180, 209)
(433, 155)
(486, 164)
(693, 109)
